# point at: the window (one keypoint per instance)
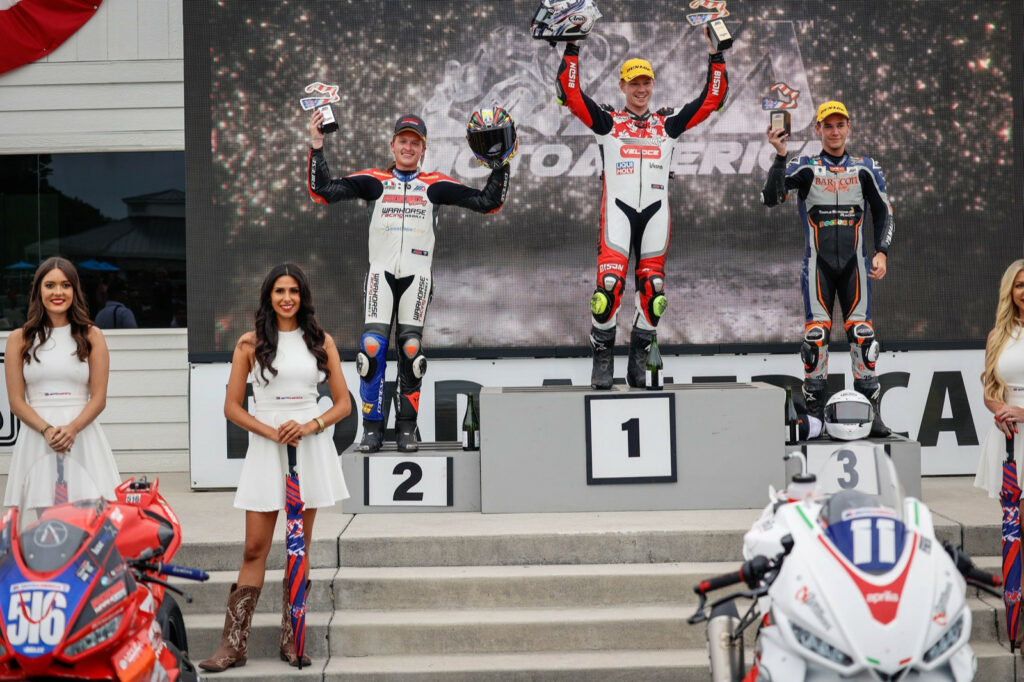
(120, 217)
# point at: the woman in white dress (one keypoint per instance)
(285, 358)
(56, 367)
(1003, 381)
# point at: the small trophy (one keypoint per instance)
(322, 103)
(721, 39)
(779, 118)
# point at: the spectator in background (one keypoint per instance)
(115, 314)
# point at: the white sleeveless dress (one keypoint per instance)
(291, 394)
(993, 451)
(57, 388)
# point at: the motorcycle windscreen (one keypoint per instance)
(870, 537)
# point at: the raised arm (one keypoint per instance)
(571, 94)
(446, 191)
(710, 99)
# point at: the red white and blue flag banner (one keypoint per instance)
(32, 29)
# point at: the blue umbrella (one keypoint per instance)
(20, 265)
(91, 264)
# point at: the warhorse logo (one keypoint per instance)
(9, 424)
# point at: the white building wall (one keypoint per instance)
(146, 419)
(116, 85)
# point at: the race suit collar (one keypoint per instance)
(405, 176)
(834, 160)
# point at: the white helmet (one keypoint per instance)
(564, 19)
(848, 416)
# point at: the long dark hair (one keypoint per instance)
(266, 321)
(38, 327)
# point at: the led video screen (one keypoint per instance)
(929, 86)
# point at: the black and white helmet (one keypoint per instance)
(564, 19)
(848, 416)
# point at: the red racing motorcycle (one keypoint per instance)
(81, 592)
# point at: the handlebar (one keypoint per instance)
(757, 574)
(184, 572)
(750, 573)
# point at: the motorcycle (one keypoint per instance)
(81, 592)
(847, 581)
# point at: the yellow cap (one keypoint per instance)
(636, 67)
(829, 108)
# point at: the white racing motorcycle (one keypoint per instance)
(848, 582)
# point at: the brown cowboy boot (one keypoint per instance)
(233, 651)
(287, 636)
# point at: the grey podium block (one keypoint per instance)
(905, 454)
(729, 443)
(465, 480)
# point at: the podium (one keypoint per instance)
(689, 446)
(441, 477)
(905, 454)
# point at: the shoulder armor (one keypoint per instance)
(665, 111)
(608, 107)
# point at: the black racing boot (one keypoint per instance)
(405, 435)
(814, 399)
(602, 341)
(870, 389)
(636, 366)
(373, 436)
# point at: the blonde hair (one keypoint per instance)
(1005, 327)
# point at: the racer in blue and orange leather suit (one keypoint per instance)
(636, 152)
(835, 191)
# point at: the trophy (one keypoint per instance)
(779, 118)
(322, 103)
(721, 39)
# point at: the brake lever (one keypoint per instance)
(146, 578)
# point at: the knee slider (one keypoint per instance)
(413, 353)
(372, 350)
(602, 303)
(810, 349)
(654, 286)
(863, 335)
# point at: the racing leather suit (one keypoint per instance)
(403, 213)
(834, 195)
(636, 154)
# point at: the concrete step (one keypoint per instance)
(204, 632)
(226, 554)
(473, 631)
(212, 596)
(269, 670)
(470, 539)
(677, 665)
(424, 587)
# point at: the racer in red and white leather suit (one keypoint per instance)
(636, 147)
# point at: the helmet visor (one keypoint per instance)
(492, 143)
(848, 413)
